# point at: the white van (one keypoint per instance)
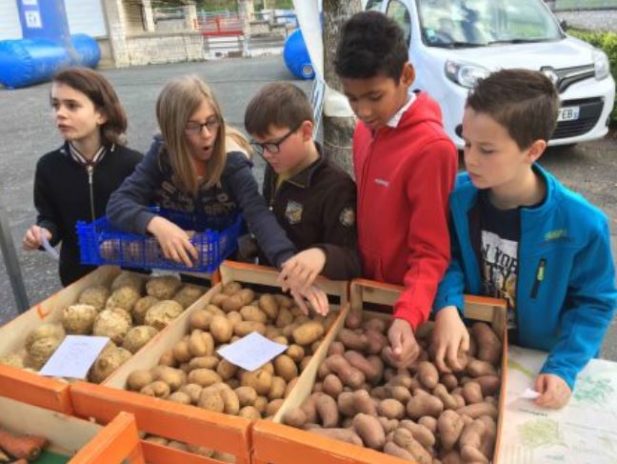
(452, 43)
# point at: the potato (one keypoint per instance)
(139, 379)
(372, 370)
(353, 340)
(362, 402)
(163, 287)
(14, 359)
(472, 392)
(246, 295)
(137, 337)
(423, 404)
(180, 397)
(233, 303)
(113, 323)
(391, 409)
(449, 401)
(200, 319)
(78, 319)
(420, 432)
(123, 297)
(40, 351)
(308, 333)
(218, 299)
(231, 288)
(230, 401)
(192, 390)
(226, 369)
(141, 308)
(128, 279)
(253, 313)
(277, 388)
(370, 431)
(284, 318)
(175, 378)
(197, 345)
(332, 386)
(393, 449)
(221, 329)
(478, 368)
(427, 374)
(158, 389)
(260, 380)
(249, 412)
(478, 409)
(188, 294)
(95, 296)
(45, 330)
(234, 317)
(405, 439)
(108, 361)
(211, 401)
(204, 377)
(273, 407)
(162, 313)
(285, 367)
(203, 362)
(246, 395)
(340, 434)
(450, 425)
(349, 375)
(181, 351)
(267, 303)
(489, 345)
(246, 327)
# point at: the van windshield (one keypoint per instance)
(475, 23)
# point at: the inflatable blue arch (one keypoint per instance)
(46, 47)
(296, 56)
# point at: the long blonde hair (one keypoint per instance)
(178, 101)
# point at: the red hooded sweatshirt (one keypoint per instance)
(405, 176)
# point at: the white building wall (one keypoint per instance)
(85, 17)
(10, 28)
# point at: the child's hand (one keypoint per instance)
(299, 271)
(173, 240)
(403, 349)
(554, 391)
(449, 337)
(316, 297)
(34, 237)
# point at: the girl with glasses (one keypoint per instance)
(74, 182)
(190, 168)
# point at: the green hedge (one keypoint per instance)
(607, 41)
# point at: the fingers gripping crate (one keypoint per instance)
(274, 443)
(214, 239)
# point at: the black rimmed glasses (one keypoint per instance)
(271, 147)
(195, 128)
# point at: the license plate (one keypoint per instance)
(569, 113)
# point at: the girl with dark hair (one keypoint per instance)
(75, 182)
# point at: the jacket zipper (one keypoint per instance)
(90, 170)
(539, 278)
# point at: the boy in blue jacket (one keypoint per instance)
(519, 234)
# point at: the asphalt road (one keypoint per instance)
(27, 132)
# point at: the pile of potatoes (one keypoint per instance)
(194, 449)
(417, 413)
(130, 312)
(193, 373)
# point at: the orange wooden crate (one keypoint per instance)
(229, 434)
(274, 443)
(117, 443)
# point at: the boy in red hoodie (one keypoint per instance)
(405, 166)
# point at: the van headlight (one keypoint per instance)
(600, 64)
(465, 74)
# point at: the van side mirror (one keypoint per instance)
(564, 25)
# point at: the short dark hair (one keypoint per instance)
(100, 92)
(525, 102)
(278, 104)
(371, 44)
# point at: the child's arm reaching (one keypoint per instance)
(449, 337)
(590, 306)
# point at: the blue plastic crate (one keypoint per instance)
(215, 240)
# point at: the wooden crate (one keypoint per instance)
(68, 436)
(42, 391)
(229, 434)
(274, 443)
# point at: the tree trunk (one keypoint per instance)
(338, 131)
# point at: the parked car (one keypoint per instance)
(453, 43)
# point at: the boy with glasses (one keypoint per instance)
(312, 198)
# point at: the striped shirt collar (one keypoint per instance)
(81, 159)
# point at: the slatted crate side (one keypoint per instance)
(189, 424)
(34, 389)
(116, 443)
(13, 333)
(66, 434)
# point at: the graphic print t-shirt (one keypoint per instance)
(498, 254)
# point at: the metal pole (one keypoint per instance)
(11, 263)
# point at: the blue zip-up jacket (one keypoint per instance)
(152, 184)
(565, 295)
